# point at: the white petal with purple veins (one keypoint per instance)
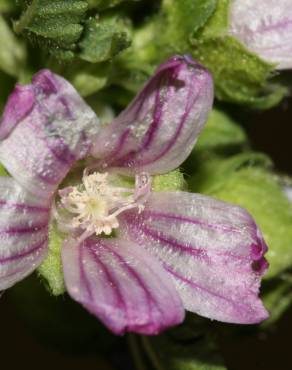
(160, 127)
(45, 136)
(213, 251)
(124, 286)
(23, 232)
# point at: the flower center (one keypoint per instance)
(93, 207)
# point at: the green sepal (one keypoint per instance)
(51, 268)
(104, 38)
(239, 75)
(55, 25)
(12, 51)
(172, 181)
(244, 180)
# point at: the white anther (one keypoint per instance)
(96, 203)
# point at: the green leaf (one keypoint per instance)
(130, 72)
(105, 4)
(87, 78)
(6, 6)
(251, 186)
(187, 16)
(56, 25)
(88, 82)
(220, 133)
(104, 38)
(51, 268)
(218, 23)
(12, 51)
(192, 346)
(211, 171)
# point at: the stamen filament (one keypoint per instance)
(96, 203)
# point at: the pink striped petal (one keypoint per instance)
(46, 126)
(23, 232)
(124, 286)
(160, 127)
(19, 105)
(212, 250)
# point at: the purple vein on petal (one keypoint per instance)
(238, 307)
(171, 141)
(61, 159)
(191, 220)
(109, 277)
(150, 134)
(83, 277)
(133, 273)
(26, 207)
(26, 253)
(157, 115)
(24, 229)
(275, 26)
(176, 135)
(174, 244)
(122, 141)
(123, 138)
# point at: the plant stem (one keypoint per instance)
(136, 352)
(151, 354)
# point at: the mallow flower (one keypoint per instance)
(265, 27)
(135, 258)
